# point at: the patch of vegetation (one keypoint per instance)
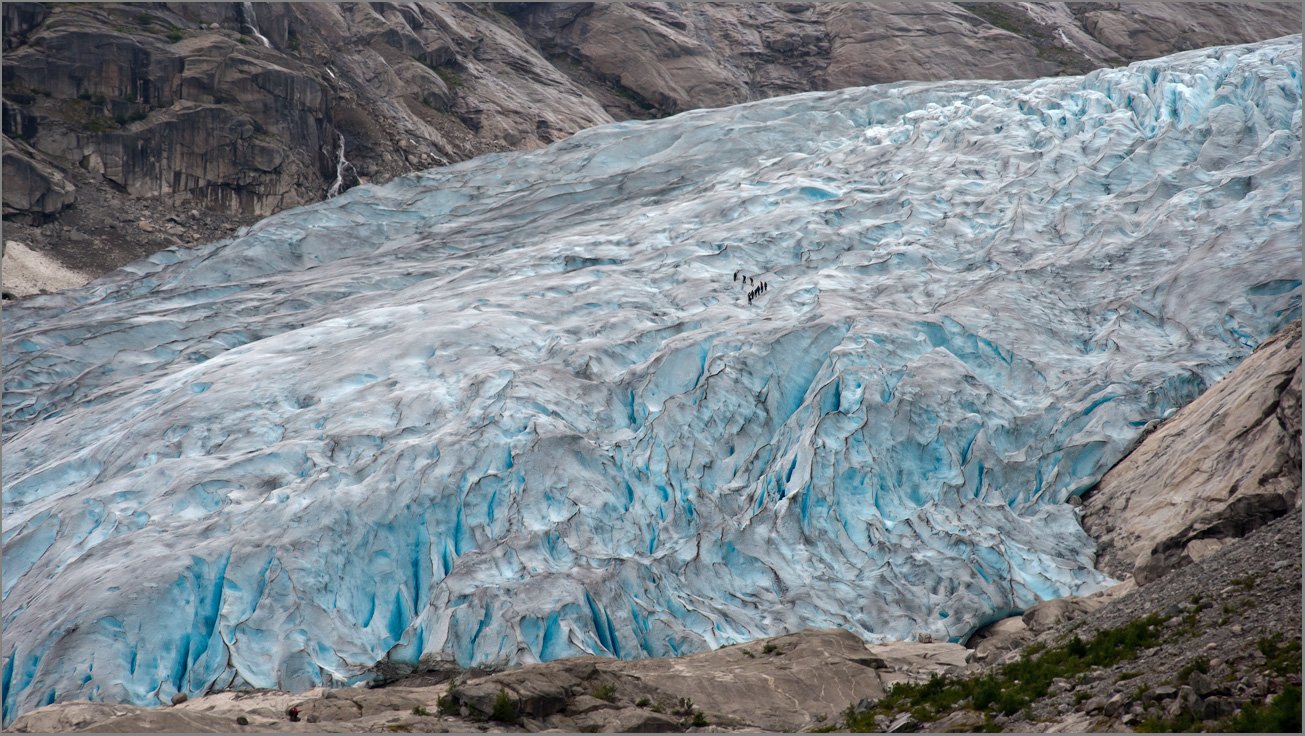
(122, 119)
(505, 708)
(1281, 715)
(451, 78)
(244, 40)
(769, 649)
(1246, 582)
(1127, 676)
(1199, 664)
(1280, 659)
(420, 711)
(176, 34)
(448, 703)
(1184, 723)
(1014, 686)
(998, 16)
(699, 719)
(748, 653)
(643, 703)
(100, 124)
(605, 692)
(145, 20)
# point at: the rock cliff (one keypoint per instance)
(131, 128)
(1227, 463)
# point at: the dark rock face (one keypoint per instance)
(34, 190)
(242, 110)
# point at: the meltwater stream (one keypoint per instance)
(519, 409)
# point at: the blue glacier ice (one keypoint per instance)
(516, 409)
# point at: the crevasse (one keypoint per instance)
(517, 409)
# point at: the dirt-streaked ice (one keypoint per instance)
(517, 408)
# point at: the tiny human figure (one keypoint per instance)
(293, 713)
(749, 297)
(736, 276)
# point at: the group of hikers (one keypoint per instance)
(758, 287)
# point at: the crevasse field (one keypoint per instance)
(518, 409)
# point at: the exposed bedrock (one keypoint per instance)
(1219, 468)
(242, 109)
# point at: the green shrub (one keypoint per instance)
(699, 719)
(1279, 658)
(1281, 715)
(448, 703)
(769, 649)
(505, 708)
(175, 35)
(605, 692)
(643, 702)
(420, 711)
(145, 20)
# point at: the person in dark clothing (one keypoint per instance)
(293, 713)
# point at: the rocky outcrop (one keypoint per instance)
(781, 684)
(1224, 465)
(34, 190)
(240, 110)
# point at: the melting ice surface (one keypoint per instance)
(516, 409)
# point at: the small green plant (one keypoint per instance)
(683, 708)
(658, 708)
(605, 692)
(505, 708)
(748, 653)
(699, 720)
(420, 711)
(244, 40)
(769, 649)
(176, 34)
(643, 702)
(145, 20)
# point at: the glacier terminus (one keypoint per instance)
(519, 408)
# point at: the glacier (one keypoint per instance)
(519, 408)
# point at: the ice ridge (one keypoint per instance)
(518, 408)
